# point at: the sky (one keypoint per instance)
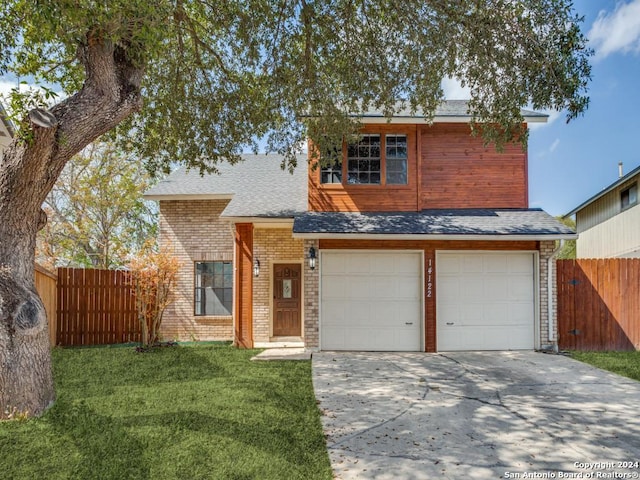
(569, 163)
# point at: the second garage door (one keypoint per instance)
(371, 301)
(485, 301)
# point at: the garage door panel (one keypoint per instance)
(449, 264)
(358, 264)
(495, 288)
(520, 288)
(408, 265)
(521, 264)
(408, 288)
(375, 304)
(495, 264)
(485, 301)
(333, 286)
(383, 264)
(471, 288)
(358, 288)
(334, 264)
(448, 288)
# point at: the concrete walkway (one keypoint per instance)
(486, 415)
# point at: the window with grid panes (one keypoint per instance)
(213, 288)
(396, 159)
(363, 160)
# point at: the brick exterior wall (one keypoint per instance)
(311, 299)
(195, 232)
(546, 249)
(271, 245)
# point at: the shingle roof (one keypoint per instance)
(257, 186)
(449, 109)
(483, 222)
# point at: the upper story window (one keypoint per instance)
(373, 160)
(396, 150)
(629, 197)
(332, 171)
(364, 160)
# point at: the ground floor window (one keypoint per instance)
(213, 288)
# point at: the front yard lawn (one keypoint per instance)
(626, 364)
(191, 412)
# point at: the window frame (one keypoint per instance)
(200, 305)
(384, 183)
(627, 191)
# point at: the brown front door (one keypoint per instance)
(287, 285)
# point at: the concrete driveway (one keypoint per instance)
(482, 415)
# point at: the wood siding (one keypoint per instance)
(244, 285)
(95, 307)
(447, 168)
(598, 304)
(368, 198)
(46, 285)
(458, 171)
(619, 236)
(429, 248)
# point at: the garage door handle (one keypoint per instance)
(449, 323)
(408, 323)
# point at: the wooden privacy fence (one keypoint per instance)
(599, 304)
(46, 286)
(95, 307)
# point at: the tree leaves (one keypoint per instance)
(97, 216)
(220, 75)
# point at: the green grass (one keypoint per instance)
(626, 364)
(182, 412)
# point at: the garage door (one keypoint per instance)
(371, 301)
(485, 301)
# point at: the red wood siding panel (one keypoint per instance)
(368, 198)
(244, 285)
(459, 172)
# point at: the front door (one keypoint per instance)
(286, 300)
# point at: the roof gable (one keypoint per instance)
(257, 187)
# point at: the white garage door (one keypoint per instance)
(371, 301)
(485, 301)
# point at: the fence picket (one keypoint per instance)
(95, 307)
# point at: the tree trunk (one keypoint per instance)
(28, 171)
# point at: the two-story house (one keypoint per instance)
(608, 223)
(419, 238)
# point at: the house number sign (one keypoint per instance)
(429, 279)
(286, 288)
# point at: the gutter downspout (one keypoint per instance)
(550, 305)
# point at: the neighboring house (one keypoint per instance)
(608, 224)
(6, 130)
(420, 239)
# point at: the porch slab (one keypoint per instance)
(284, 354)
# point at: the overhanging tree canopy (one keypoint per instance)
(205, 79)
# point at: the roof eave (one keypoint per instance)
(399, 119)
(427, 236)
(188, 196)
(258, 220)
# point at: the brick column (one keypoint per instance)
(311, 298)
(546, 249)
